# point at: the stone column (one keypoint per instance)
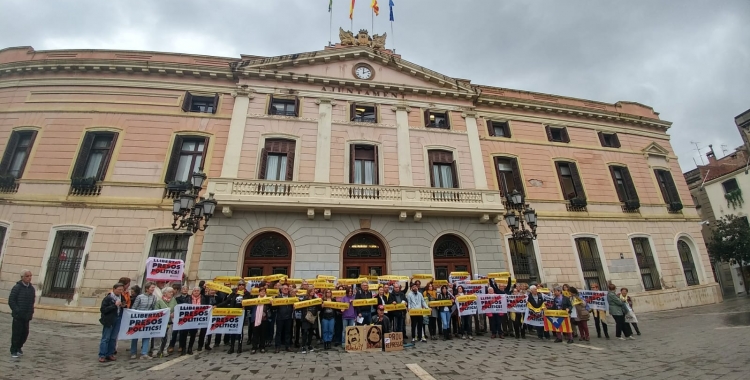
(475, 149)
(231, 165)
(323, 151)
(405, 177)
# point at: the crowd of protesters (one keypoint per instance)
(284, 328)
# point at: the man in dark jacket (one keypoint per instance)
(364, 312)
(398, 297)
(284, 321)
(21, 302)
(562, 303)
(111, 311)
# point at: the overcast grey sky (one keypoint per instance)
(688, 59)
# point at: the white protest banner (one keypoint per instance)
(158, 269)
(492, 304)
(187, 316)
(457, 277)
(595, 299)
(467, 305)
(516, 303)
(226, 321)
(473, 288)
(534, 317)
(143, 324)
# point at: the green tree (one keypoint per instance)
(730, 243)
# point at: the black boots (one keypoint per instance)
(231, 348)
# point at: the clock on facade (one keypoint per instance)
(363, 71)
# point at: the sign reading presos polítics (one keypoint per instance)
(473, 288)
(516, 303)
(534, 317)
(143, 324)
(596, 300)
(467, 305)
(158, 269)
(226, 321)
(492, 303)
(187, 316)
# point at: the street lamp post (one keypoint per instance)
(188, 213)
(517, 221)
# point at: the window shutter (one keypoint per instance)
(629, 185)
(186, 101)
(9, 150)
(615, 141)
(565, 136)
(431, 163)
(263, 163)
(352, 111)
(376, 180)
(296, 106)
(269, 111)
(204, 154)
(290, 166)
(454, 171)
(448, 119)
(216, 103)
(108, 158)
(601, 141)
(352, 159)
(549, 132)
(500, 183)
(427, 118)
(83, 155)
(620, 196)
(506, 127)
(577, 180)
(517, 176)
(174, 159)
(674, 196)
(490, 128)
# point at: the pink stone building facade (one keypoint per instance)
(345, 161)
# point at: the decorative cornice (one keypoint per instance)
(324, 100)
(243, 90)
(401, 107)
(111, 66)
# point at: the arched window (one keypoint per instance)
(450, 254)
(268, 253)
(364, 255)
(688, 265)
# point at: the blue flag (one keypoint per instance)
(390, 5)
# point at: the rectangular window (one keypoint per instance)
(188, 156)
(276, 167)
(364, 165)
(498, 128)
(276, 164)
(169, 246)
(524, 261)
(570, 181)
(730, 185)
(284, 106)
(437, 120)
(363, 113)
(646, 264)
(3, 231)
(64, 263)
(667, 186)
(609, 140)
(591, 263)
(200, 104)
(17, 153)
(623, 183)
(557, 134)
(508, 175)
(442, 169)
(94, 156)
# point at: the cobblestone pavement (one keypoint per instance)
(709, 342)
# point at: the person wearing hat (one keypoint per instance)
(380, 319)
(234, 300)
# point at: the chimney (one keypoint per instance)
(711, 156)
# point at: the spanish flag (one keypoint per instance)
(351, 11)
(375, 7)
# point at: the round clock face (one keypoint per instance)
(363, 72)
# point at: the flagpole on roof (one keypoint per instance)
(393, 35)
(330, 21)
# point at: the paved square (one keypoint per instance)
(709, 342)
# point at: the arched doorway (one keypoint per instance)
(688, 264)
(450, 254)
(268, 253)
(364, 255)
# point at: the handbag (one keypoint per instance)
(310, 317)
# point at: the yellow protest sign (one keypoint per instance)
(440, 282)
(441, 303)
(420, 312)
(336, 305)
(499, 274)
(326, 278)
(338, 293)
(398, 306)
(311, 280)
(504, 280)
(370, 278)
(272, 292)
(218, 287)
(350, 281)
(393, 278)
(556, 313)
(481, 281)
(257, 301)
(365, 302)
(274, 277)
(293, 281)
(422, 276)
(543, 290)
(459, 274)
(324, 285)
(228, 311)
(227, 279)
(284, 301)
(468, 298)
(308, 303)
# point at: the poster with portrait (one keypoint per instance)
(373, 338)
(355, 339)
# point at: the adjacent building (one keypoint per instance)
(345, 161)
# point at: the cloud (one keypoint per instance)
(688, 59)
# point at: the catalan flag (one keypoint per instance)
(351, 11)
(375, 7)
(557, 321)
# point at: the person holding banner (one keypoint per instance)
(167, 301)
(261, 318)
(630, 315)
(398, 316)
(144, 302)
(309, 320)
(430, 294)
(582, 314)
(445, 311)
(536, 301)
(364, 313)
(283, 315)
(234, 301)
(208, 298)
(618, 310)
(111, 316)
(599, 316)
(328, 319)
(415, 300)
(561, 302)
(349, 315)
(192, 299)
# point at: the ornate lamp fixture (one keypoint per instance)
(188, 212)
(514, 221)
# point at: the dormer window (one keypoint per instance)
(363, 113)
(284, 106)
(437, 119)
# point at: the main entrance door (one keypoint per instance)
(450, 255)
(364, 255)
(268, 253)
